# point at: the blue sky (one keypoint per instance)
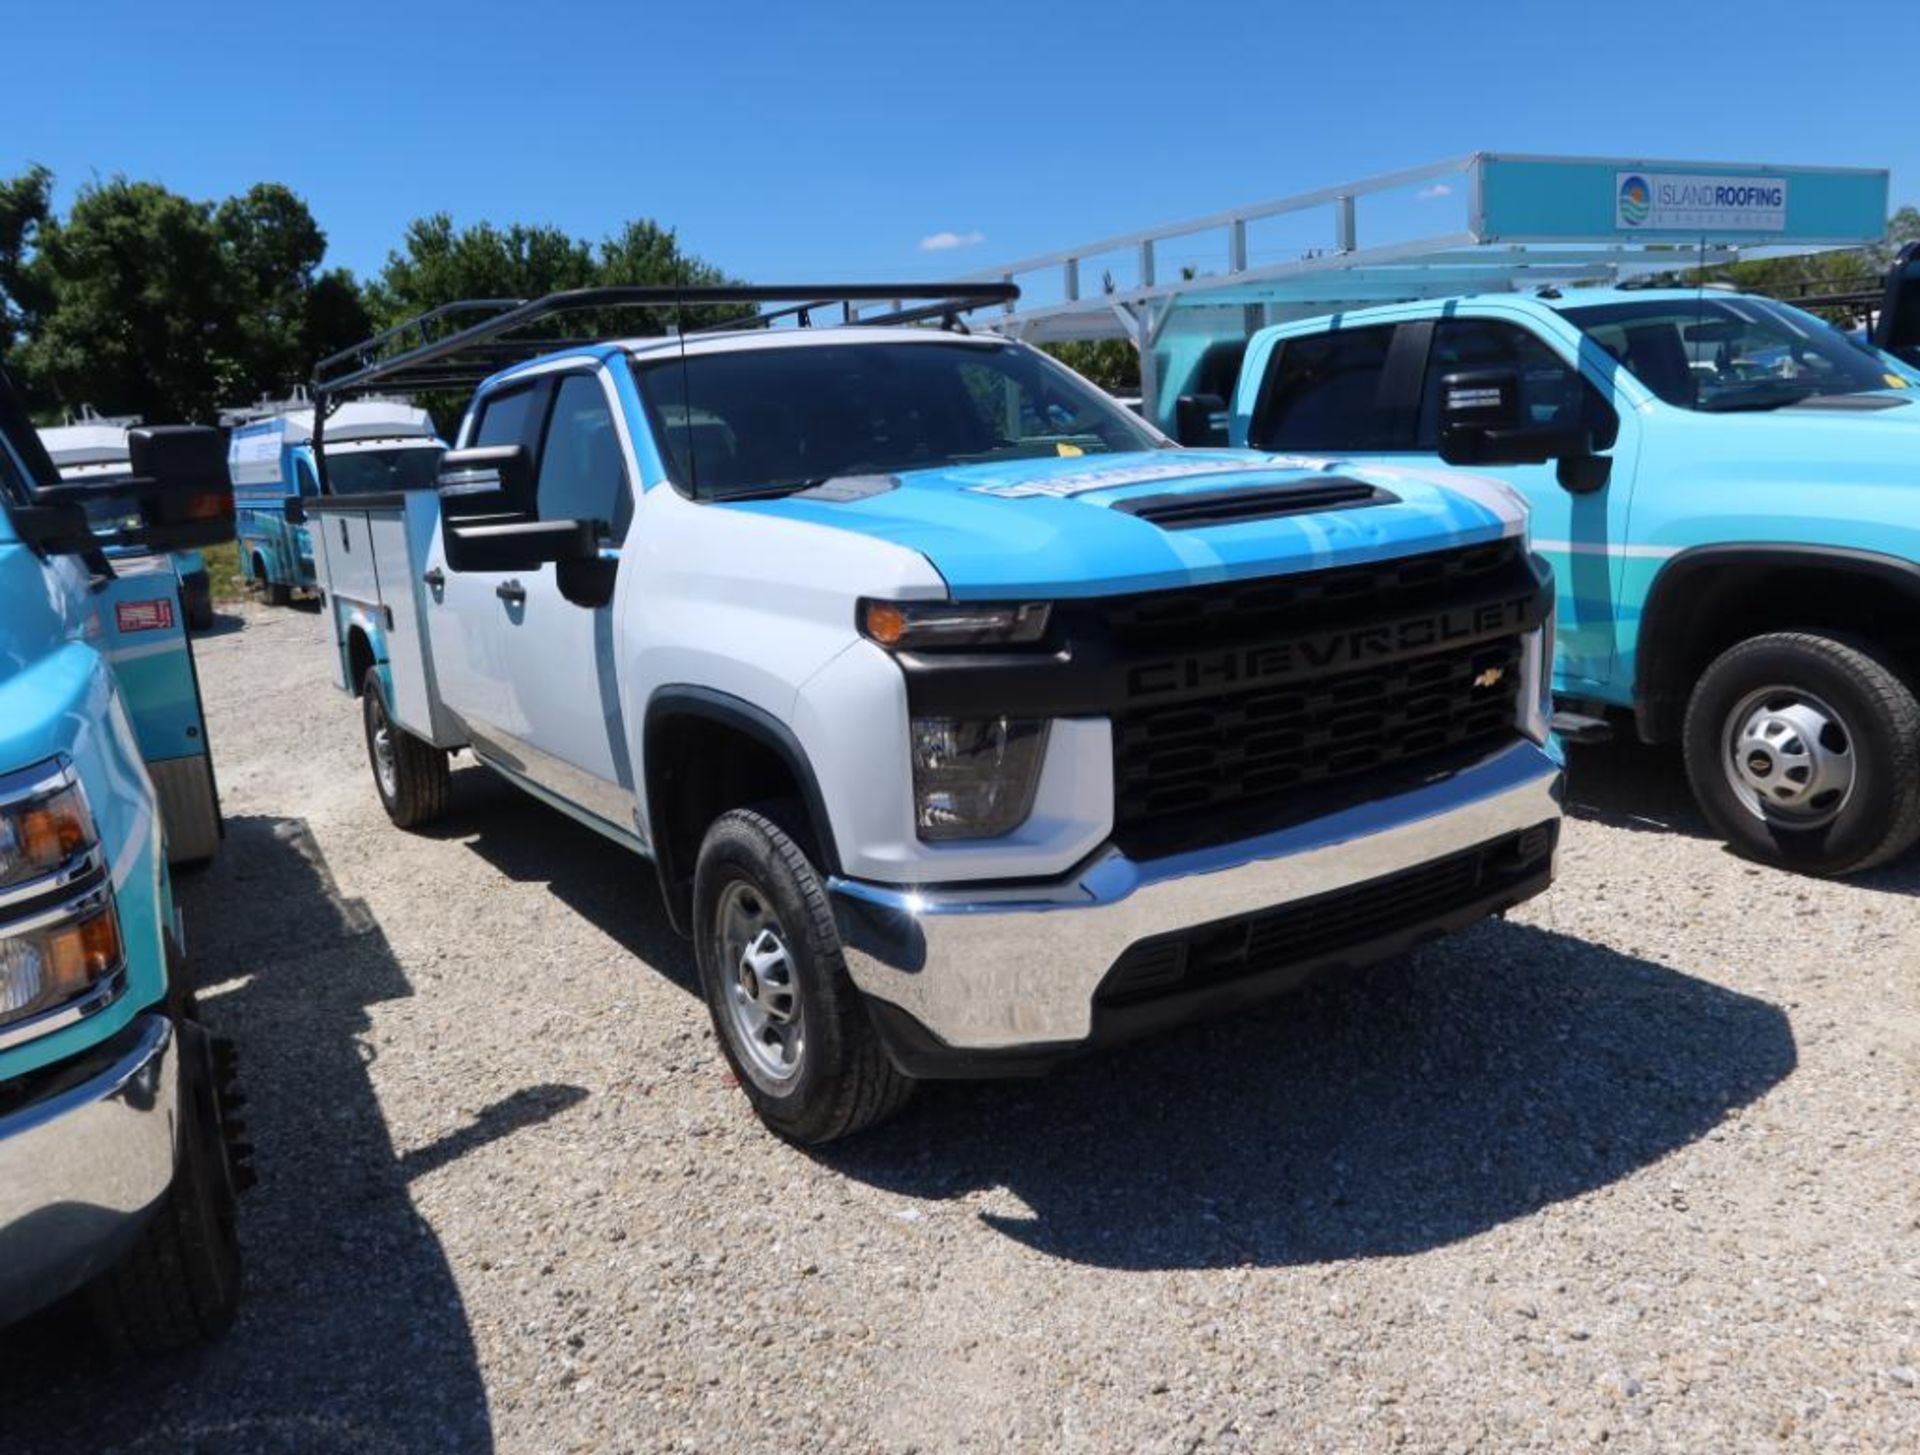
(835, 139)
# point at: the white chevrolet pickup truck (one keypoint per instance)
(967, 722)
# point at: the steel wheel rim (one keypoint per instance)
(760, 986)
(381, 741)
(1789, 757)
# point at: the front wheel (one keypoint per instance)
(412, 777)
(1804, 751)
(789, 1019)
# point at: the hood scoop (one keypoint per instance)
(1199, 510)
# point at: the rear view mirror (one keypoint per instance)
(1200, 420)
(296, 510)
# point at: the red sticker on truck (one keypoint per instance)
(144, 616)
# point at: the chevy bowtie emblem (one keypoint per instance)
(1490, 678)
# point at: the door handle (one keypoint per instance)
(436, 578)
(511, 592)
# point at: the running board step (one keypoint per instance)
(1577, 727)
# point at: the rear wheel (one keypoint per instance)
(180, 1285)
(200, 611)
(789, 1019)
(272, 592)
(412, 777)
(1804, 751)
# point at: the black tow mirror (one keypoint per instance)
(519, 545)
(493, 484)
(1483, 422)
(56, 528)
(1200, 420)
(296, 510)
(175, 495)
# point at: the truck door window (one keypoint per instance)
(303, 478)
(504, 418)
(582, 476)
(1551, 391)
(1326, 392)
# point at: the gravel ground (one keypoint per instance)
(1634, 1168)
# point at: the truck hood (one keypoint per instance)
(1863, 437)
(1053, 527)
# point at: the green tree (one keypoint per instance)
(26, 203)
(438, 264)
(136, 318)
(1113, 364)
(141, 301)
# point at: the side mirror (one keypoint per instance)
(493, 483)
(58, 528)
(1482, 423)
(176, 494)
(180, 485)
(1200, 420)
(518, 545)
(296, 510)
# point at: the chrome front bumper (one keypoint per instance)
(83, 1166)
(995, 970)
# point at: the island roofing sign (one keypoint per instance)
(1680, 202)
(1631, 199)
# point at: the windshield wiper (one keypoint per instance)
(767, 492)
(1757, 397)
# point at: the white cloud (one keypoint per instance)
(941, 242)
(1438, 189)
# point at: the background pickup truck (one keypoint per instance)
(967, 722)
(373, 446)
(1731, 517)
(118, 1165)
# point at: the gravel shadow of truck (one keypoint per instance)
(1377, 1115)
(1626, 784)
(352, 1334)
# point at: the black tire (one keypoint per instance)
(180, 1284)
(275, 593)
(200, 613)
(415, 791)
(1878, 728)
(842, 1080)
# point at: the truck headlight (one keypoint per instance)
(54, 958)
(906, 626)
(974, 778)
(43, 827)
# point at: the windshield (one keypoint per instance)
(378, 472)
(766, 421)
(1716, 353)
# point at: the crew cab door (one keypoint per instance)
(563, 684)
(469, 654)
(550, 688)
(1373, 393)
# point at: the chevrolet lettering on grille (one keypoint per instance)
(1327, 651)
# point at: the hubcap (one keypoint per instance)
(762, 991)
(1789, 757)
(383, 768)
